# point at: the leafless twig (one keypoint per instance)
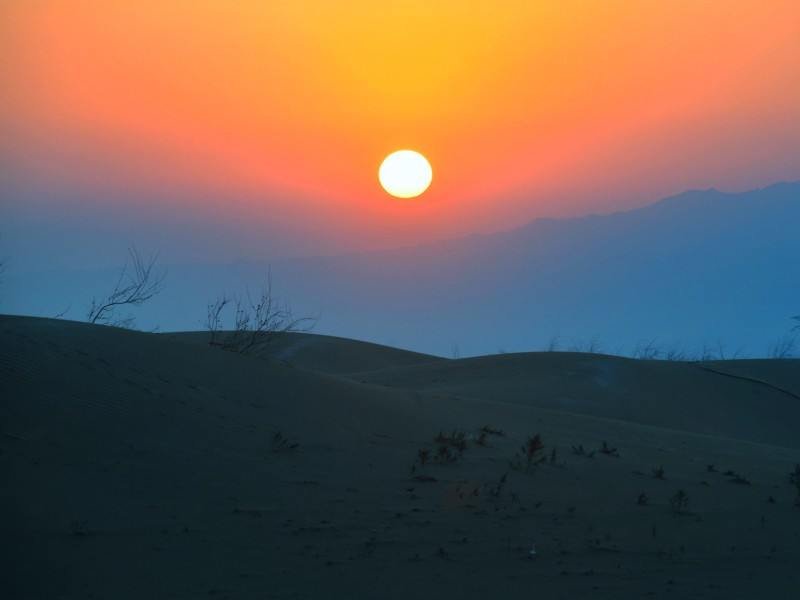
(213, 322)
(256, 322)
(132, 289)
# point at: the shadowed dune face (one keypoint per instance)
(138, 465)
(753, 400)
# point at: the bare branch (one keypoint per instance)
(63, 312)
(256, 322)
(553, 343)
(782, 348)
(648, 350)
(132, 289)
(4, 264)
(213, 322)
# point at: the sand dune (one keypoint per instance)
(754, 400)
(146, 466)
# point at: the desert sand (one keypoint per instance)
(138, 465)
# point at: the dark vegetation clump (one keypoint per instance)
(530, 455)
(581, 451)
(257, 320)
(659, 472)
(495, 491)
(444, 455)
(485, 431)
(281, 443)
(679, 502)
(794, 478)
(448, 448)
(418, 468)
(492, 431)
(79, 528)
(456, 441)
(741, 479)
(611, 451)
(423, 457)
(737, 478)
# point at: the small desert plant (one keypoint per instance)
(213, 322)
(492, 431)
(783, 348)
(79, 528)
(679, 502)
(711, 468)
(581, 451)
(648, 350)
(659, 473)
(531, 454)
(423, 457)
(257, 322)
(611, 451)
(553, 460)
(444, 455)
(593, 346)
(641, 500)
(738, 478)
(675, 354)
(456, 439)
(481, 441)
(531, 449)
(498, 488)
(794, 477)
(553, 343)
(280, 443)
(457, 435)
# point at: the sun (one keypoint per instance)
(405, 174)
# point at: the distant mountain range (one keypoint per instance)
(700, 269)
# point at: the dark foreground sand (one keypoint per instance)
(136, 465)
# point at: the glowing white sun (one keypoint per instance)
(405, 174)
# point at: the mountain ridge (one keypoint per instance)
(701, 267)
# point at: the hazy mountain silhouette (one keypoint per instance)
(699, 267)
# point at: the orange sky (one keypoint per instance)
(524, 108)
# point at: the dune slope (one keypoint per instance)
(140, 466)
(753, 400)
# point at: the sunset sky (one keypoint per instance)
(280, 112)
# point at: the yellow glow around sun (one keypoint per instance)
(405, 174)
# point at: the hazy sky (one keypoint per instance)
(254, 115)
